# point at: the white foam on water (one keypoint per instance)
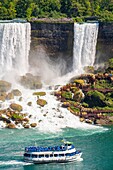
(13, 162)
(50, 118)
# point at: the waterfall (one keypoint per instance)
(85, 39)
(14, 47)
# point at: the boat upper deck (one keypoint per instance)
(50, 148)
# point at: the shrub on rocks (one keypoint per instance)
(95, 98)
(79, 82)
(17, 116)
(67, 95)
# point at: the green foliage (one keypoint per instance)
(75, 109)
(95, 98)
(101, 84)
(16, 116)
(110, 63)
(67, 95)
(77, 9)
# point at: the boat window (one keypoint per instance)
(41, 156)
(47, 156)
(61, 154)
(27, 155)
(55, 155)
(51, 155)
(34, 156)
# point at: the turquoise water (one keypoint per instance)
(96, 145)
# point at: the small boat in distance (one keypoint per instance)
(52, 154)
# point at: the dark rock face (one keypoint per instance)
(55, 40)
(104, 42)
(52, 39)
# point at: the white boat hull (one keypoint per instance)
(53, 160)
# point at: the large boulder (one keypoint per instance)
(11, 126)
(4, 86)
(16, 92)
(31, 82)
(10, 96)
(16, 107)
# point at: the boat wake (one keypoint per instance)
(13, 162)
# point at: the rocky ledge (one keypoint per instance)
(90, 96)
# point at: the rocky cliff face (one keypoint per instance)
(104, 42)
(56, 41)
(52, 39)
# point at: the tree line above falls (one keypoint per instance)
(76, 9)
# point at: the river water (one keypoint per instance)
(96, 145)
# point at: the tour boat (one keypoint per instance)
(52, 154)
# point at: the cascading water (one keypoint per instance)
(15, 46)
(85, 39)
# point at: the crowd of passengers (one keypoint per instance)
(41, 149)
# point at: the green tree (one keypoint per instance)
(12, 10)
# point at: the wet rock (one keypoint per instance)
(82, 119)
(20, 99)
(25, 119)
(2, 98)
(17, 107)
(65, 104)
(16, 92)
(27, 126)
(57, 93)
(29, 103)
(4, 119)
(39, 93)
(31, 82)
(10, 96)
(89, 69)
(4, 86)
(33, 124)
(41, 102)
(79, 82)
(11, 126)
(78, 96)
